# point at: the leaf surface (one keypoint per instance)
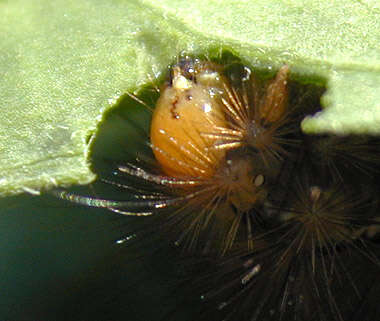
(63, 63)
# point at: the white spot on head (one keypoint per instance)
(259, 180)
(207, 107)
(181, 83)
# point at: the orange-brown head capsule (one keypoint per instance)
(188, 107)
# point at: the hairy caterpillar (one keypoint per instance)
(217, 146)
(226, 174)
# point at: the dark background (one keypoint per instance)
(60, 262)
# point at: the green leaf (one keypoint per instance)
(63, 63)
